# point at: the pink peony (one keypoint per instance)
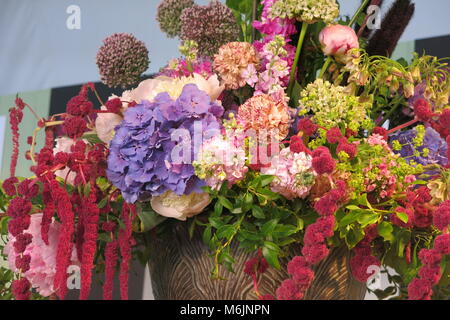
(43, 258)
(105, 125)
(338, 39)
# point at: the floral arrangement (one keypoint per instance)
(276, 129)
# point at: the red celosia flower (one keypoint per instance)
(125, 241)
(307, 126)
(441, 218)
(430, 257)
(381, 131)
(396, 220)
(297, 145)
(111, 256)
(10, 186)
(324, 163)
(300, 271)
(109, 226)
(345, 146)
(420, 289)
(315, 253)
(75, 127)
(442, 244)
(361, 266)
(432, 274)
(313, 235)
(422, 110)
(320, 151)
(444, 118)
(334, 135)
(325, 206)
(21, 289)
(289, 290)
(114, 105)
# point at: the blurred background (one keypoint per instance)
(45, 60)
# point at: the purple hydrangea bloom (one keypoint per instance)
(432, 141)
(140, 162)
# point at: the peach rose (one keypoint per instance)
(182, 207)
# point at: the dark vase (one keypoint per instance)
(180, 269)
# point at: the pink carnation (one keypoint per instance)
(43, 258)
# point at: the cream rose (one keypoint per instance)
(182, 207)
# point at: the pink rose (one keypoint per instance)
(338, 39)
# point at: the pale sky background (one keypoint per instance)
(39, 52)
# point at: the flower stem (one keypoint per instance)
(402, 126)
(297, 56)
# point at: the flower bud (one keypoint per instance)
(338, 39)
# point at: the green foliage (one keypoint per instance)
(245, 13)
(256, 218)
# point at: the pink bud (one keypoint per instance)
(338, 39)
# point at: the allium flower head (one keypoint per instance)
(294, 175)
(168, 15)
(121, 60)
(306, 10)
(262, 112)
(211, 26)
(142, 160)
(232, 60)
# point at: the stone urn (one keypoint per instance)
(180, 269)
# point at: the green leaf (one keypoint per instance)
(103, 203)
(269, 227)
(385, 230)
(148, 219)
(207, 235)
(215, 222)
(402, 216)
(225, 232)
(368, 219)
(270, 252)
(226, 203)
(350, 217)
(354, 236)
(353, 207)
(258, 213)
(218, 208)
(403, 238)
(266, 180)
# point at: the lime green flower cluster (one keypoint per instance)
(332, 106)
(309, 11)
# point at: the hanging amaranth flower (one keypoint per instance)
(121, 60)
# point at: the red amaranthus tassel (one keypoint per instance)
(125, 242)
(90, 213)
(15, 118)
(65, 242)
(111, 256)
